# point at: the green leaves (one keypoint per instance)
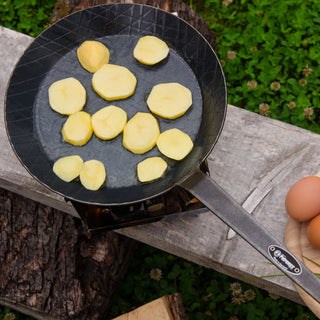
(26, 16)
(273, 42)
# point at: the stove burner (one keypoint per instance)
(175, 201)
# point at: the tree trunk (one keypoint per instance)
(51, 267)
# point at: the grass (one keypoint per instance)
(26, 16)
(270, 56)
(206, 294)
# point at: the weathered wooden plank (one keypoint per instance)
(256, 160)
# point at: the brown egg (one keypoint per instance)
(303, 199)
(313, 232)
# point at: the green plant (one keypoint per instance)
(206, 294)
(7, 314)
(269, 53)
(26, 16)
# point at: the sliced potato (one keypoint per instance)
(169, 100)
(141, 132)
(151, 169)
(67, 96)
(77, 129)
(68, 168)
(92, 55)
(108, 122)
(174, 144)
(150, 50)
(114, 82)
(92, 174)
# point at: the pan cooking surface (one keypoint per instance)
(119, 162)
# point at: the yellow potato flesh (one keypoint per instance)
(169, 100)
(92, 174)
(67, 96)
(77, 130)
(174, 144)
(68, 168)
(108, 122)
(151, 169)
(92, 55)
(114, 82)
(150, 50)
(141, 132)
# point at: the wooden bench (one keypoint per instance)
(256, 160)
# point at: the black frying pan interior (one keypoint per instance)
(35, 130)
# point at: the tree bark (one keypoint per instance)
(65, 7)
(51, 267)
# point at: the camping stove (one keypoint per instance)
(175, 201)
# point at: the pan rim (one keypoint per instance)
(178, 181)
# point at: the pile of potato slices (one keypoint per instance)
(140, 134)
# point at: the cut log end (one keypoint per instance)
(168, 307)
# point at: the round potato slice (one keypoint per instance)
(108, 122)
(68, 168)
(141, 132)
(77, 130)
(151, 169)
(169, 100)
(92, 174)
(114, 82)
(174, 144)
(67, 96)
(150, 50)
(92, 55)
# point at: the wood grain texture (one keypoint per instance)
(256, 160)
(168, 307)
(51, 267)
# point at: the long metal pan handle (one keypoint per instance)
(229, 211)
